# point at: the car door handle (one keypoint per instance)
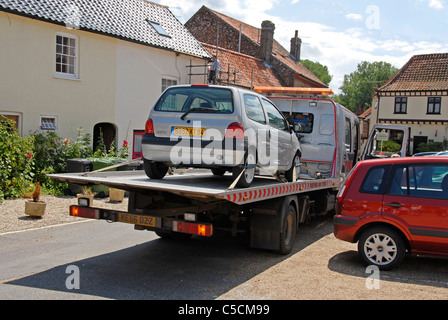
(394, 205)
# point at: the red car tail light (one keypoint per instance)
(149, 127)
(235, 130)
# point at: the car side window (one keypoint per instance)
(276, 119)
(375, 180)
(254, 110)
(398, 185)
(422, 181)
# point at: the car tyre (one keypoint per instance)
(155, 170)
(382, 247)
(289, 175)
(249, 174)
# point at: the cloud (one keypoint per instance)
(354, 17)
(340, 50)
(434, 4)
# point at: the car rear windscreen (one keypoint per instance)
(202, 99)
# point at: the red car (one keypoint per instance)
(395, 206)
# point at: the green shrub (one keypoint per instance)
(430, 146)
(50, 156)
(390, 146)
(17, 161)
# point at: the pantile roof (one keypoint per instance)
(427, 72)
(124, 19)
(244, 65)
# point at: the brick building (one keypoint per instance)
(252, 52)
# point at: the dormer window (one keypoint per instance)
(158, 28)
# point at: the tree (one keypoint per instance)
(357, 88)
(318, 70)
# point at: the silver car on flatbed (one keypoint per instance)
(221, 128)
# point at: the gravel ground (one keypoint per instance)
(13, 217)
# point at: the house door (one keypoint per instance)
(417, 141)
(104, 133)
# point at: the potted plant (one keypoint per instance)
(116, 195)
(86, 193)
(34, 207)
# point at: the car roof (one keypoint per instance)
(405, 160)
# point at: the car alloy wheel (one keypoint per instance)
(381, 247)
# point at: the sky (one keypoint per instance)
(341, 34)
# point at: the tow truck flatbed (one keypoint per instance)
(201, 186)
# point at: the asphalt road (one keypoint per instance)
(115, 262)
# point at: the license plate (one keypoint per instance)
(187, 131)
(136, 219)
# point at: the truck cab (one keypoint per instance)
(329, 132)
(387, 140)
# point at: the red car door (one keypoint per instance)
(415, 199)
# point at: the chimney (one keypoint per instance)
(296, 46)
(267, 40)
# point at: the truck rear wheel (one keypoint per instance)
(288, 231)
(155, 170)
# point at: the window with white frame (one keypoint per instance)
(166, 82)
(66, 56)
(48, 123)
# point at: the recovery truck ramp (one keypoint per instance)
(199, 203)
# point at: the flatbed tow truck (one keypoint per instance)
(198, 203)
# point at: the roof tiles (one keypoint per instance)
(428, 72)
(126, 20)
(244, 65)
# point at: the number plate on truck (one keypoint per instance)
(136, 219)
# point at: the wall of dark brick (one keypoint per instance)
(204, 25)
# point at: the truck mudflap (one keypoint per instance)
(142, 222)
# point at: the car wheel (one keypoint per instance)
(247, 177)
(382, 247)
(290, 175)
(288, 231)
(155, 170)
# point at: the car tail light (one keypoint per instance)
(343, 191)
(235, 130)
(149, 127)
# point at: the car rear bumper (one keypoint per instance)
(345, 228)
(226, 153)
